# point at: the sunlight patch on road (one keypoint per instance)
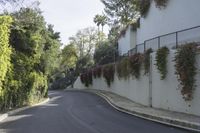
(16, 117)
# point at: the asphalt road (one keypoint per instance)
(79, 112)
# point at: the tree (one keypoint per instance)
(97, 21)
(53, 35)
(113, 35)
(85, 41)
(66, 75)
(100, 20)
(69, 57)
(121, 11)
(105, 53)
(34, 56)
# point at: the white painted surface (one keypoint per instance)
(178, 15)
(165, 93)
(127, 42)
(78, 84)
(133, 38)
(136, 90)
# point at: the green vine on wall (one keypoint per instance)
(161, 61)
(147, 60)
(86, 78)
(97, 72)
(136, 61)
(123, 68)
(185, 69)
(109, 73)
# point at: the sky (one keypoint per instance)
(69, 16)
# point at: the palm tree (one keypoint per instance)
(103, 20)
(97, 20)
(100, 20)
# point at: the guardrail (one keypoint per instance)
(171, 40)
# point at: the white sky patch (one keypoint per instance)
(68, 16)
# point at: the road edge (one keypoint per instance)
(145, 116)
(5, 115)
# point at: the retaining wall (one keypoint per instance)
(163, 94)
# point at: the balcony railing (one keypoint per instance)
(171, 40)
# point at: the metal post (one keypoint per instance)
(176, 39)
(150, 82)
(158, 42)
(136, 48)
(144, 46)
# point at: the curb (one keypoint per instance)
(5, 115)
(163, 120)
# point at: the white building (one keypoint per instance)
(176, 16)
(127, 41)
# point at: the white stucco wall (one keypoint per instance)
(133, 39)
(166, 94)
(136, 90)
(178, 15)
(127, 42)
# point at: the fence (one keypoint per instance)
(171, 40)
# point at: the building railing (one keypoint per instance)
(171, 40)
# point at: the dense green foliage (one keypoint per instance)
(5, 52)
(69, 57)
(105, 54)
(30, 55)
(161, 61)
(143, 7)
(120, 11)
(84, 42)
(185, 60)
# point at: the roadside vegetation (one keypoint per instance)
(29, 54)
(32, 61)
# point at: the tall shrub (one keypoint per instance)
(5, 50)
(38, 87)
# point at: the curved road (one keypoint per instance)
(79, 112)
